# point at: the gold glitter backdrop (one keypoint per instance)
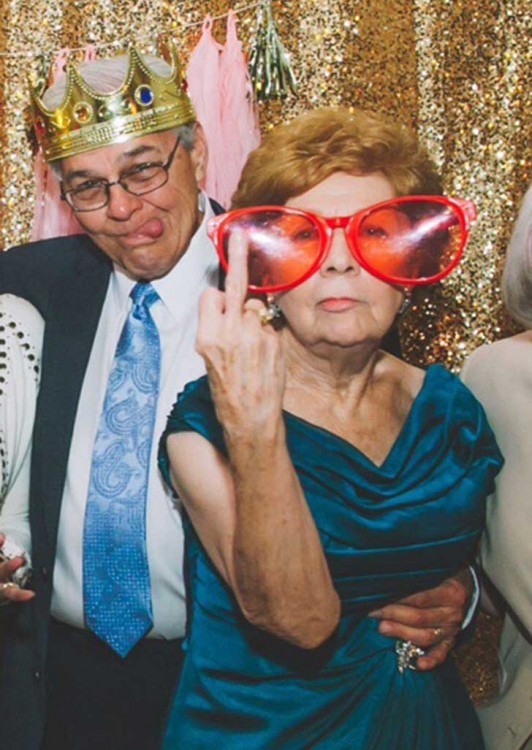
(454, 69)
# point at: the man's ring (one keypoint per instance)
(7, 585)
(438, 632)
(407, 655)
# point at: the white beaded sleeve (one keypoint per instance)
(21, 333)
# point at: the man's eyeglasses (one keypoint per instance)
(409, 241)
(139, 180)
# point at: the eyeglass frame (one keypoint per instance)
(107, 185)
(465, 211)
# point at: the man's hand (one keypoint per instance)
(9, 591)
(430, 619)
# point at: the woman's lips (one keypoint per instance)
(149, 232)
(338, 304)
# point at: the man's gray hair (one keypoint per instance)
(107, 75)
(517, 275)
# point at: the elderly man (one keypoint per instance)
(92, 661)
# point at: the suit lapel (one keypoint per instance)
(73, 314)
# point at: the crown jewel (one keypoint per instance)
(85, 120)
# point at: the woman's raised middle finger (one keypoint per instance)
(236, 281)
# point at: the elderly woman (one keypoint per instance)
(321, 476)
(21, 330)
(500, 375)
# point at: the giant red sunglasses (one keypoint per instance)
(409, 241)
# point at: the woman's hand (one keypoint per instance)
(10, 591)
(243, 357)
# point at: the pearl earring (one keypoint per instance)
(271, 313)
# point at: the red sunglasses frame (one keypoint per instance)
(465, 211)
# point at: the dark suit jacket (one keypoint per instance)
(66, 279)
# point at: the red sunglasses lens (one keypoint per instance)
(416, 240)
(282, 246)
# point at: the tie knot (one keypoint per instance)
(143, 295)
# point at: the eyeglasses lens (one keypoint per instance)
(412, 240)
(89, 198)
(137, 182)
(282, 246)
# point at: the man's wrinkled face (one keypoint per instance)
(145, 235)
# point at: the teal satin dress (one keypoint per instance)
(387, 531)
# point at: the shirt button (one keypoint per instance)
(44, 572)
(37, 675)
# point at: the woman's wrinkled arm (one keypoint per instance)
(249, 509)
(254, 522)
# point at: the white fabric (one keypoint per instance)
(473, 604)
(176, 318)
(21, 332)
(500, 376)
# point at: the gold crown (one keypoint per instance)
(85, 120)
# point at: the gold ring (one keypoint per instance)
(266, 315)
(7, 585)
(438, 632)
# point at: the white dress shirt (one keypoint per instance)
(175, 315)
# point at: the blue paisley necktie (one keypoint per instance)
(116, 578)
